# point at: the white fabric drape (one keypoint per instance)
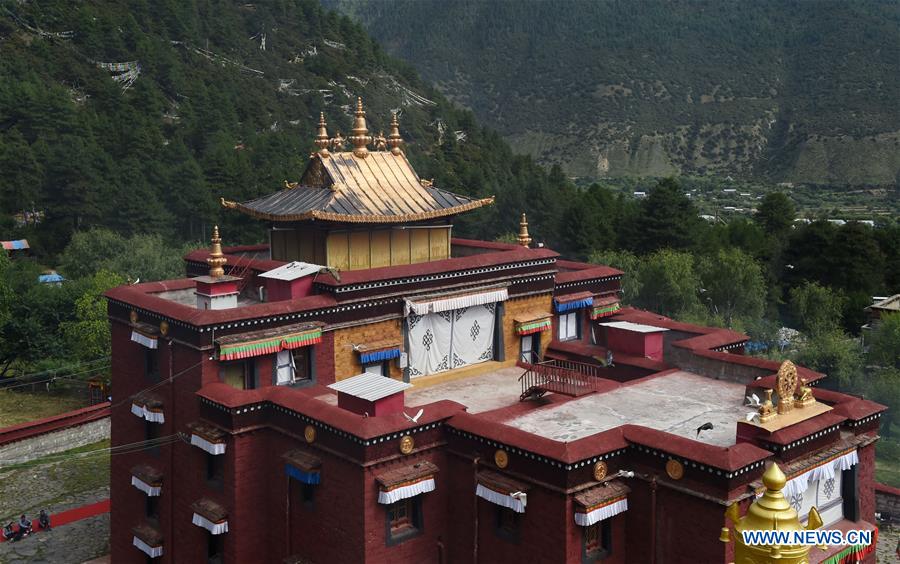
(517, 504)
(473, 335)
(403, 492)
(212, 448)
(214, 528)
(144, 413)
(151, 491)
(797, 485)
(284, 367)
(429, 343)
(456, 302)
(601, 513)
(149, 342)
(151, 551)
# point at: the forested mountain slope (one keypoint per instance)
(139, 115)
(781, 90)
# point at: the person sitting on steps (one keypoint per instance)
(24, 526)
(9, 533)
(44, 520)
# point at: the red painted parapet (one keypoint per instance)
(55, 423)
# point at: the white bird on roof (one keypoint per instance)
(752, 417)
(753, 400)
(416, 418)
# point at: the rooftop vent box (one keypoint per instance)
(293, 280)
(635, 339)
(370, 394)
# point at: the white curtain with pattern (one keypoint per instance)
(473, 335)
(450, 339)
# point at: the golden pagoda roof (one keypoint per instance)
(382, 187)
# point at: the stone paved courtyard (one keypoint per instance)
(57, 483)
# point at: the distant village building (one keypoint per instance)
(17, 248)
(367, 388)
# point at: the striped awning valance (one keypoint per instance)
(604, 307)
(269, 341)
(570, 302)
(457, 301)
(536, 326)
(378, 352)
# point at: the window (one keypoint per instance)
(569, 326)
(215, 466)
(214, 548)
(153, 507)
(530, 348)
(151, 365)
(597, 541)
(240, 374)
(507, 526)
(404, 519)
(293, 366)
(307, 494)
(379, 368)
(151, 433)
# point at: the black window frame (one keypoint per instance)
(604, 535)
(310, 368)
(215, 469)
(508, 524)
(152, 432)
(416, 521)
(151, 508)
(578, 323)
(535, 347)
(151, 365)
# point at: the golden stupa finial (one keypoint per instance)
(216, 258)
(394, 140)
(322, 139)
(360, 133)
(771, 512)
(338, 142)
(523, 239)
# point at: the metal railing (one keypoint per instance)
(557, 376)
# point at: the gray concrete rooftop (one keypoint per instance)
(677, 403)
(484, 392)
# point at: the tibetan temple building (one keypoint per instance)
(367, 388)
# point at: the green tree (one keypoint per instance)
(627, 262)
(733, 285)
(884, 342)
(884, 387)
(143, 256)
(836, 355)
(816, 309)
(87, 336)
(776, 214)
(667, 219)
(669, 284)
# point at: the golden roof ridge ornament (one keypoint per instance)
(394, 140)
(360, 133)
(786, 385)
(216, 258)
(322, 139)
(524, 239)
(771, 512)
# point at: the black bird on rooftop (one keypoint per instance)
(705, 427)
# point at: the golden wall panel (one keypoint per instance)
(359, 250)
(418, 245)
(338, 249)
(515, 307)
(381, 248)
(346, 360)
(399, 246)
(439, 243)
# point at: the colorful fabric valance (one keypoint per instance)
(535, 326)
(246, 345)
(604, 307)
(855, 553)
(570, 302)
(379, 356)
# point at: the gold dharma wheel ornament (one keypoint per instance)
(163, 328)
(674, 469)
(600, 470)
(785, 385)
(501, 459)
(309, 434)
(133, 316)
(407, 444)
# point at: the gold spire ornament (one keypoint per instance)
(360, 133)
(216, 258)
(322, 139)
(338, 142)
(771, 512)
(394, 140)
(524, 239)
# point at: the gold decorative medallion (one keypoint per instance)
(309, 433)
(163, 328)
(407, 444)
(600, 470)
(501, 459)
(133, 316)
(674, 469)
(786, 385)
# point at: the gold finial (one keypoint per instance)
(394, 139)
(360, 133)
(216, 258)
(380, 142)
(337, 142)
(771, 512)
(786, 385)
(523, 239)
(322, 140)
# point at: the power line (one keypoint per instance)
(51, 379)
(112, 451)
